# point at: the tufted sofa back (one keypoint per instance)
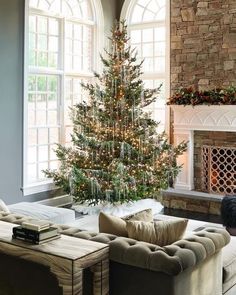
(171, 259)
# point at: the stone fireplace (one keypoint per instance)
(209, 164)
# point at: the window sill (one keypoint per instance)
(36, 188)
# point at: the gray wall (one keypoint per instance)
(109, 12)
(119, 4)
(11, 101)
(11, 94)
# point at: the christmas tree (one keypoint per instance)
(116, 154)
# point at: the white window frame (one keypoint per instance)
(126, 13)
(98, 39)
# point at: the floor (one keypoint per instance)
(192, 215)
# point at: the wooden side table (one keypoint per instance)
(66, 257)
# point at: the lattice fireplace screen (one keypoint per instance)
(219, 170)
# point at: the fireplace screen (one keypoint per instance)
(219, 170)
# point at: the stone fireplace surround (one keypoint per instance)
(214, 120)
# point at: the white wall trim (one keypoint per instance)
(40, 187)
(127, 8)
(57, 201)
(25, 94)
(168, 70)
(99, 34)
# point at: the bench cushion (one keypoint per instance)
(39, 211)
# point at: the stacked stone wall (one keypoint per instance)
(203, 43)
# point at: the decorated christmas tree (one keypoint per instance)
(116, 153)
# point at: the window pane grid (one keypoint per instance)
(147, 21)
(38, 156)
(43, 123)
(73, 94)
(149, 48)
(49, 64)
(43, 41)
(69, 8)
(157, 109)
(59, 46)
(78, 47)
(146, 10)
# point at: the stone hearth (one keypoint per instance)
(192, 201)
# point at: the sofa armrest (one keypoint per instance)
(172, 259)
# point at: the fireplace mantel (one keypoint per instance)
(203, 117)
(187, 119)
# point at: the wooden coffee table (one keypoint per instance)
(66, 257)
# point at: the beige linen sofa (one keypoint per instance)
(190, 266)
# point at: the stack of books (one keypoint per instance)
(35, 231)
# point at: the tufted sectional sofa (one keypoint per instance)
(191, 266)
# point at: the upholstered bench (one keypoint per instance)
(39, 211)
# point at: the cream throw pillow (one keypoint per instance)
(3, 207)
(144, 215)
(117, 226)
(112, 225)
(159, 232)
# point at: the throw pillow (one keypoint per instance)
(3, 207)
(159, 232)
(117, 226)
(112, 225)
(144, 215)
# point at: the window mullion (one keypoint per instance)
(47, 71)
(82, 49)
(147, 25)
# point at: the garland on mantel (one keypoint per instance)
(218, 96)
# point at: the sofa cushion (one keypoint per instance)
(159, 232)
(117, 226)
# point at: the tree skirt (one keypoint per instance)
(120, 209)
(90, 213)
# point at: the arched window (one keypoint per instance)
(148, 24)
(61, 51)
